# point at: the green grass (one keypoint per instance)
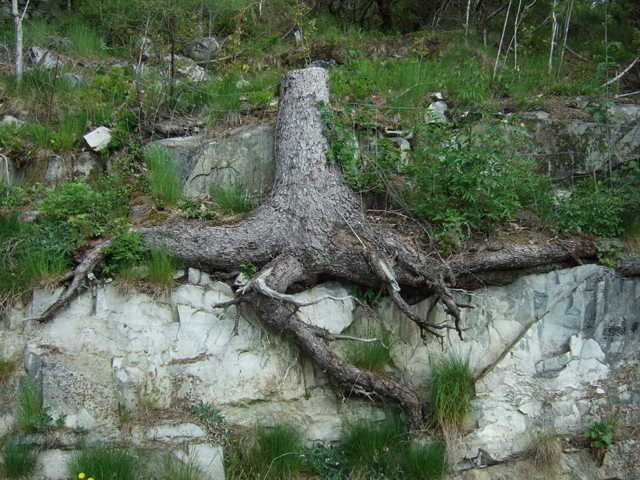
(271, 452)
(173, 469)
(234, 199)
(277, 453)
(31, 416)
(163, 176)
(160, 267)
(19, 459)
(451, 390)
(7, 367)
(372, 448)
(105, 463)
(83, 41)
(424, 461)
(370, 356)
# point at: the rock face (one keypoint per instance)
(573, 148)
(245, 156)
(553, 352)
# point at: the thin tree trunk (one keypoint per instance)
(567, 22)
(18, 19)
(554, 31)
(504, 29)
(466, 22)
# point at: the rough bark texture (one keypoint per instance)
(311, 226)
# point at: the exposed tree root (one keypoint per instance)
(78, 280)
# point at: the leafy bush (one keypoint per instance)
(126, 251)
(87, 210)
(31, 415)
(451, 390)
(603, 207)
(19, 458)
(464, 180)
(105, 463)
(163, 176)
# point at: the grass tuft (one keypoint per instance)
(161, 268)
(163, 176)
(425, 461)
(7, 367)
(547, 454)
(19, 459)
(451, 391)
(271, 452)
(277, 453)
(31, 415)
(370, 356)
(372, 447)
(174, 469)
(233, 199)
(105, 463)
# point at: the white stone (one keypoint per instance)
(437, 112)
(207, 458)
(53, 464)
(176, 433)
(11, 120)
(41, 57)
(332, 315)
(99, 138)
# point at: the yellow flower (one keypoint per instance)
(90, 478)
(81, 475)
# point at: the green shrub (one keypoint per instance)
(464, 180)
(603, 207)
(233, 199)
(126, 251)
(325, 461)
(33, 252)
(160, 268)
(31, 416)
(19, 458)
(105, 463)
(600, 434)
(83, 41)
(163, 176)
(451, 390)
(87, 210)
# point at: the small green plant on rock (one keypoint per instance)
(600, 434)
(372, 356)
(18, 458)
(174, 469)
